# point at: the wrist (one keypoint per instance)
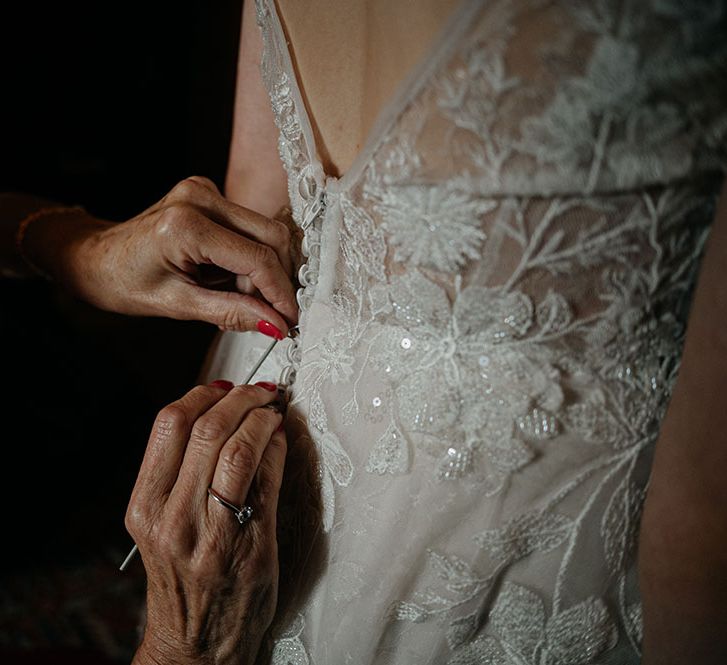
(158, 647)
(56, 243)
(159, 652)
(27, 234)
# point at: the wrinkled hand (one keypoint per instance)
(211, 583)
(192, 255)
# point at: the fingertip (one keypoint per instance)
(253, 313)
(222, 383)
(269, 329)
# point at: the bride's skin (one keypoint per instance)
(352, 55)
(683, 548)
(683, 540)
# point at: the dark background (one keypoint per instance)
(106, 105)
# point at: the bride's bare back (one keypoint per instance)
(350, 56)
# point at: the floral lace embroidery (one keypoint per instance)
(448, 231)
(465, 344)
(518, 286)
(576, 636)
(631, 365)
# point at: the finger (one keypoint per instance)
(269, 478)
(210, 433)
(168, 441)
(204, 182)
(260, 263)
(190, 189)
(264, 230)
(203, 194)
(182, 191)
(197, 240)
(228, 310)
(240, 457)
(188, 239)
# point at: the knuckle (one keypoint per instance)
(238, 456)
(175, 218)
(210, 427)
(281, 232)
(236, 319)
(170, 420)
(264, 257)
(201, 181)
(187, 188)
(262, 418)
(201, 392)
(136, 520)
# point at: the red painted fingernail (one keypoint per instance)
(281, 427)
(267, 385)
(223, 383)
(267, 328)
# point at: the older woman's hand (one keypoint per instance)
(192, 255)
(212, 582)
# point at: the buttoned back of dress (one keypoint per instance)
(493, 300)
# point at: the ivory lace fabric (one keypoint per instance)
(493, 304)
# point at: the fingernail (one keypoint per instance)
(267, 385)
(281, 427)
(267, 328)
(222, 383)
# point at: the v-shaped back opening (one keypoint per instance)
(439, 50)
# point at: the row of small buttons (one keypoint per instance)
(314, 206)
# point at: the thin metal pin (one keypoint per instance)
(261, 361)
(252, 373)
(128, 558)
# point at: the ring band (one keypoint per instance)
(243, 514)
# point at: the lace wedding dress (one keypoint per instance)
(493, 303)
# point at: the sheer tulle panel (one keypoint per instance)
(492, 320)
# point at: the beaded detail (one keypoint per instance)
(493, 306)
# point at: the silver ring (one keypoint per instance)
(243, 514)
